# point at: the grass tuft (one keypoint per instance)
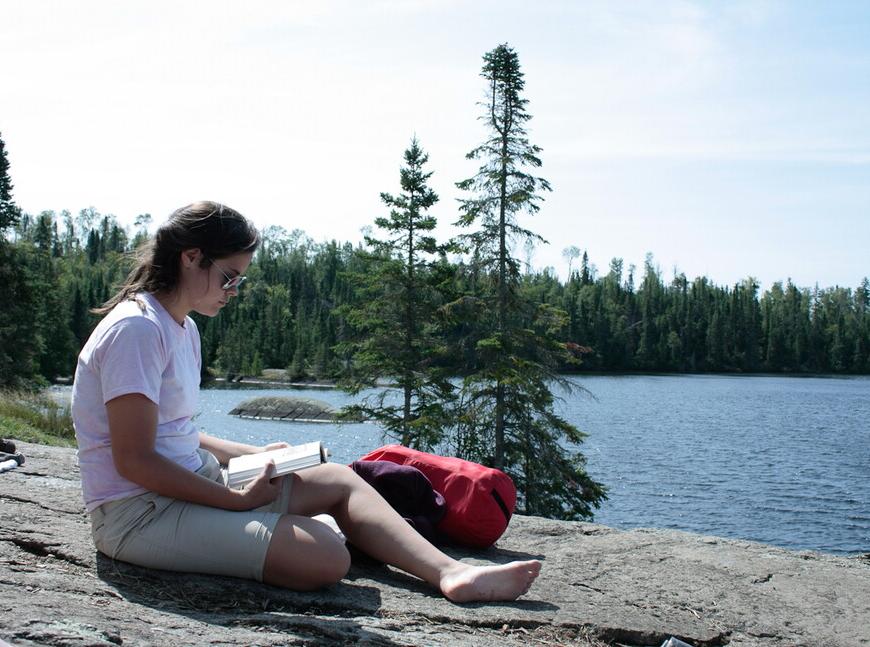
(35, 418)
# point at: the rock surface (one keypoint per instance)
(285, 408)
(598, 586)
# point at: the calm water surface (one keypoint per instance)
(773, 459)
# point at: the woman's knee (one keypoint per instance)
(339, 565)
(305, 554)
(339, 479)
(330, 569)
(338, 473)
(325, 488)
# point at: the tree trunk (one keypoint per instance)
(406, 434)
(502, 291)
(410, 334)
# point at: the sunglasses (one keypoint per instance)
(232, 281)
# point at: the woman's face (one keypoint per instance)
(202, 287)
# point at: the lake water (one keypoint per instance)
(782, 460)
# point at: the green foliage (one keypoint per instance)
(35, 418)
(9, 212)
(501, 188)
(291, 311)
(284, 318)
(392, 326)
(21, 346)
(696, 326)
(506, 418)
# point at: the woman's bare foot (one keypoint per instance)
(468, 583)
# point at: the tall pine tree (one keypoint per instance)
(393, 322)
(9, 212)
(507, 418)
(20, 345)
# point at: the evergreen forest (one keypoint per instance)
(55, 267)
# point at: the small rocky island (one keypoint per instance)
(599, 586)
(285, 408)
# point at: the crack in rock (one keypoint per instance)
(45, 549)
(330, 629)
(23, 471)
(66, 633)
(586, 586)
(11, 497)
(631, 637)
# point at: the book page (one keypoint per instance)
(287, 459)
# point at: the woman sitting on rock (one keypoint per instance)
(152, 483)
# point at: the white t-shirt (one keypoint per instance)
(137, 348)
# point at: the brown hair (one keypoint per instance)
(213, 228)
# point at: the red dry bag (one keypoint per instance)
(480, 500)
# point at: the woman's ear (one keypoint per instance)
(190, 257)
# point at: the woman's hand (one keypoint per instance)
(262, 490)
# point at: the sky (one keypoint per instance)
(727, 139)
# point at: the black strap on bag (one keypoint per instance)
(502, 505)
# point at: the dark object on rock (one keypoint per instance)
(18, 457)
(10, 462)
(7, 446)
(286, 408)
(409, 492)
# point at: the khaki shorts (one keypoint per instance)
(159, 532)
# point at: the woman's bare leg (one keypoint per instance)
(304, 554)
(374, 527)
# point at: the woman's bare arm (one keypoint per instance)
(133, 429)
(224, 450)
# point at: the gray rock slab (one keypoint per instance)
(286, 408)
(598, 586)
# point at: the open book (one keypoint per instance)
(242, 469)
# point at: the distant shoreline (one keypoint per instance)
(710, 374)
(223, 383)
(272, 382)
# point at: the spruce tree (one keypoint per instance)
(506, 418)
(9, 212)
(20, 343)
(393, 320)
